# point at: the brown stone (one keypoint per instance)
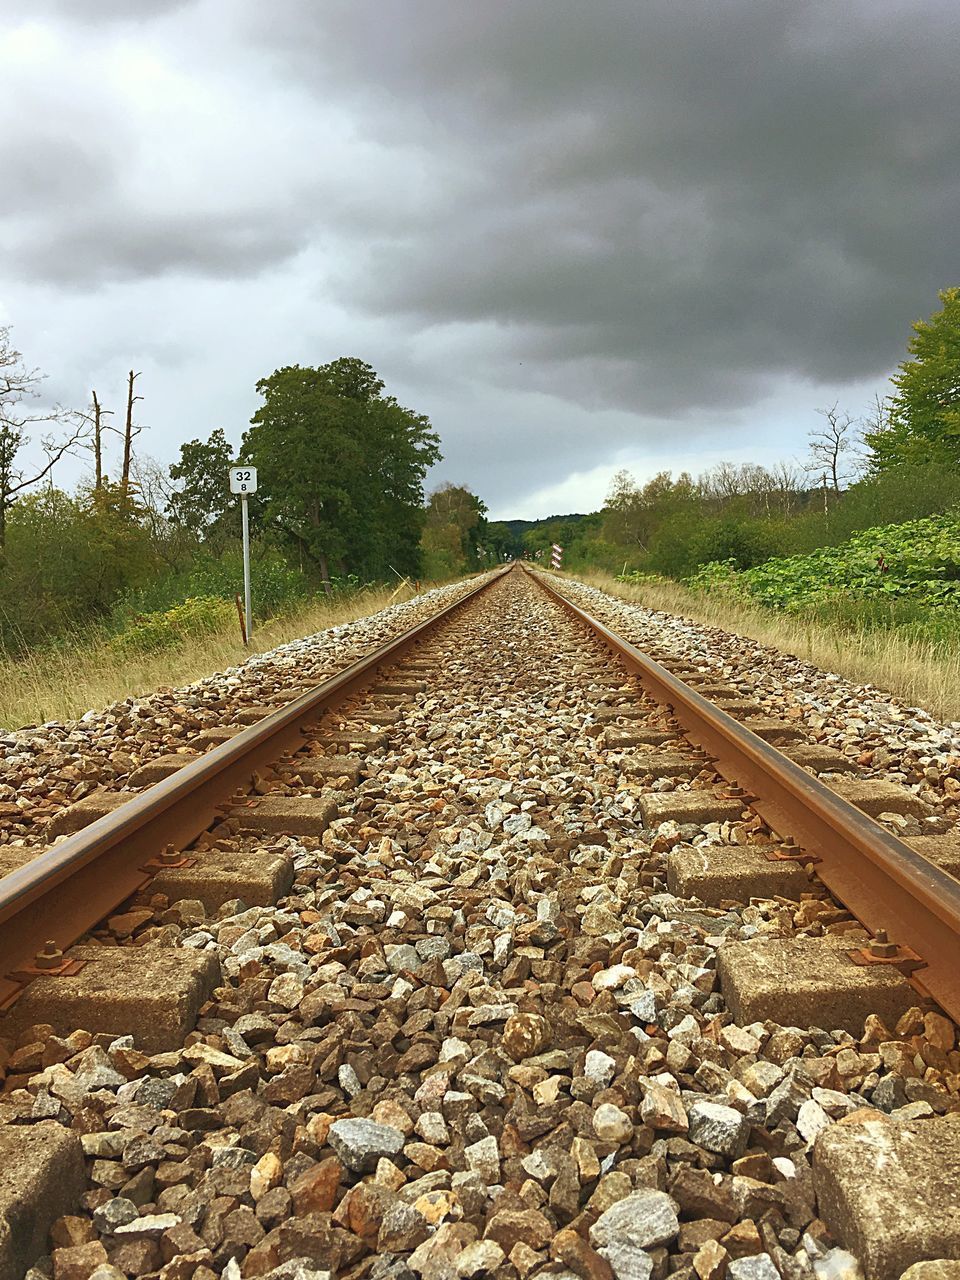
(72, 1230)
(742, 1240)
(78, 1262)
(710, 1261)
(662, 1108)
(315, 1191)
(524, 1036)
(511, 1226)
(700, 1197)
(574, 1252)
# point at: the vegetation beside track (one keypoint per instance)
(897, 575)
(921, 671)
(85, 670)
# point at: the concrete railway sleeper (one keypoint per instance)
(486, 963)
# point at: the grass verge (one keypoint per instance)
(87, 671)
(921, 672)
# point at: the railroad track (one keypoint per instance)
(555, 923)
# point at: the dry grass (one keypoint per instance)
(62, 684)
(922, 673)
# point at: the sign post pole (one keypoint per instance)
(247, 597)
(243, 480)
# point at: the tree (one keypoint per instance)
(632, 515)
(830, 443)
(341, 467)
(94, 419)
(454, 530)
(18, 385)
(129, 431)
(923, 414)
(202, 499)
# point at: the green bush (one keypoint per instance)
(900, 575)
(686, 540)
(152, 632)
(277, 587)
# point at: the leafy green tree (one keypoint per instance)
(923, 414)
(341, 467)
(501, 541)
(454, 531)
(68, 558)
(202, 500)
(632, 515)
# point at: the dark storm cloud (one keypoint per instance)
(663, 205)
(575, 234)
(91, 250)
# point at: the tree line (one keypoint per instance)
(341, 467)
(900, 461)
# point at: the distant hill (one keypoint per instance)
(528, 537)
(520, 527)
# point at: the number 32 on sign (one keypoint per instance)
(243, 479)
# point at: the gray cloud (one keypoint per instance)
(558, 227)
(89, 12)
(108, 246)
(693, 199)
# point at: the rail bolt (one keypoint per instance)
(49, 956)
(881, 946)
(169, 855)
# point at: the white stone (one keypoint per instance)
(837, 1264)
(599, 1067)
(610, 1124)
(483, 1157)
(812, 1120)
(614, 977)
(718, 1128)
(640, 1221)
(758, 1266)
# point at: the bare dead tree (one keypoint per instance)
(98, 415)
(787, 486)
(18, 386)
(830, 443)
(97, 427)
(129, 431)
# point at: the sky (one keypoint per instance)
(580, 237)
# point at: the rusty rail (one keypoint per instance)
(885, 883)
(71, 886)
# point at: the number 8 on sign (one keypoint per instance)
(243, 479)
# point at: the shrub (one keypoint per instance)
(196, 616)
(899, 575)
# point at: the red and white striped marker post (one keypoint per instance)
(556, 556)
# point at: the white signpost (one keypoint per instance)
(243, 480)
(556, 556)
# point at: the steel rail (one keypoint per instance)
(71, 886)
(881, 880)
